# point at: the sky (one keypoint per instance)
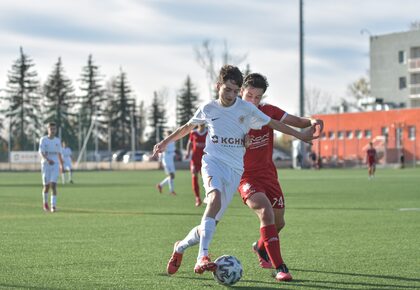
(154, 41)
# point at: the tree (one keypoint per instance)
(360, 88)
(205, 57)
(124, 106)
(157, 120)
(92, 98)
(23, 99)
(59, 98)
(187, 100)
(316, 101)
(141, 122)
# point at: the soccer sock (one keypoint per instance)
(193, 238)
(63, 177)
(195, 186)
(272, 244)
(70, 175)
(208, 227)
(53, 200)
(45, 197)
(171, 185)
(163, 182)
(260, 244)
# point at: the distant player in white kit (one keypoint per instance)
(51, 161)
(169, 167)
(228, 119)
(67, 162)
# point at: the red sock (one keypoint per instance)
(272, 244)
(195, 186)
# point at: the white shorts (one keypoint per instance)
(216, 175)
(50, 173)
(67, 166)
(168, 165)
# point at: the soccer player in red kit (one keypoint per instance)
(371, 160)
(259, 186)
(196, 144)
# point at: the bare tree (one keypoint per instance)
(360, 88)
(317, 101)
(206, 58)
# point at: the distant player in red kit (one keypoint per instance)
(196, 144)
(259, 186)
(371, 159)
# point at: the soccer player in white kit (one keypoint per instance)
(51, 161)
(67, 161)
(169, 167)
(228, 119)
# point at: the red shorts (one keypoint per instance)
(371, 163)
(270, 186)
(195, 166)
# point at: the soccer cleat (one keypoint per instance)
(159, 187)
(53, 209)
(46, 207)
(204, 264)
(262, 257)
(198, 201)
(173, 193)
(175, 261)
(283, 273)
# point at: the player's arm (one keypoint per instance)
(182, 131)
(60, 159)
(189, 146)
(44, 154)
(306, 135)
(302, 122)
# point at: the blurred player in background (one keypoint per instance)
(371, 158)
(167, 158)
(229, 119)
(67, 162)
(51, 161)
(259, 186)
(196, 144)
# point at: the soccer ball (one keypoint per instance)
(229, 270)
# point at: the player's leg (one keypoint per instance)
(194, 178)
(171, 182)
(54, 196)
(45, 173)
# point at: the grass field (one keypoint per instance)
(114, 231)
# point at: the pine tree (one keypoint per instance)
(91, 100)
(59, 99)
(187, 101)
(123, 113)
(23, 99)
(141, 123)
(157, 119)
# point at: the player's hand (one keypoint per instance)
(308, 134)
(158, 148)
(319, 126)
(187, 156)
(247, 141)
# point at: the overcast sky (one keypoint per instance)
(153, 41)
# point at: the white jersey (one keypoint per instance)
(227, 127)
(169, 152)
(67, 154)
(51, 148)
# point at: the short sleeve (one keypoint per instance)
(258, 118)
(198, 118)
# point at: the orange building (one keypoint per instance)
(346, 136)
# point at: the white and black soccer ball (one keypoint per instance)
(229, 270)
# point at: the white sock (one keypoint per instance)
(63, 178)
(193, 238)
(53, 200)
(208, 227)
(45, 197)
(163, 182)
(171, 185)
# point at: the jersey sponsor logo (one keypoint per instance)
(227, 140)
(260, 141)
(241, 119)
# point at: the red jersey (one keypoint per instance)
(371, 153)
(198, 142)
(258, 158)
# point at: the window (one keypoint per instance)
(331, 135)
(349, 134)
(358, 134)
(340, 135)
(384, 131)
(412, 133)
(402, 83)
(368, 134)
(401, 56)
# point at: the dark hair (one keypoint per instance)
(51, 124)
(256, 80)
(230, 72)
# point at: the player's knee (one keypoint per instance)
(266, 215)
(280, 225)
